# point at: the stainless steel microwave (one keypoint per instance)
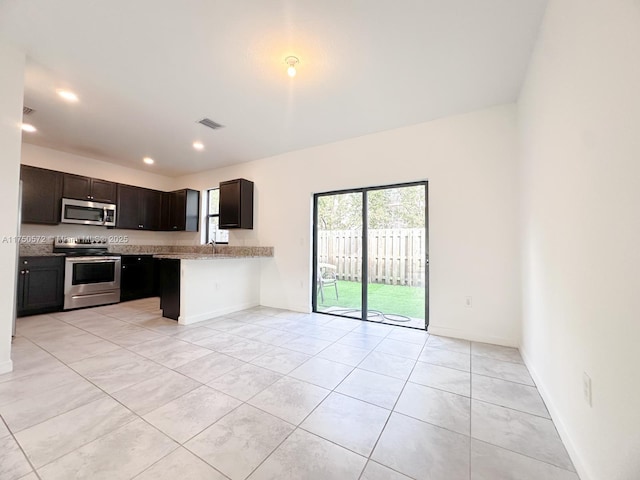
(88, 213)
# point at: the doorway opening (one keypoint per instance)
(371, 254)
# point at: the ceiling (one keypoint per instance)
(146, 70)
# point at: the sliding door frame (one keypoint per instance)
(365, 251)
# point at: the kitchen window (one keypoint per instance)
(213, 218)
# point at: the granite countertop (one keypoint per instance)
(203, 256)
(180, 252)
(195, 252)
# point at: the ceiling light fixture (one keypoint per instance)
(68, 95)
(148, 160)
(27, 127)
(198, 145)
(292, 62)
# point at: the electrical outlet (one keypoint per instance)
(586, 388)
(468, 302)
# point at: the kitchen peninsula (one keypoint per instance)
(198, 285)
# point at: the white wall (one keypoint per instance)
(42, 157)
(66, 162)
(11, 93)
(211, 288)
(579, 116)
(470, 162)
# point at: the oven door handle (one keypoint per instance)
(104, 215)
(93, 260)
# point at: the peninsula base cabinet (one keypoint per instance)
(194, 290)
(40, 285)
(170, 288)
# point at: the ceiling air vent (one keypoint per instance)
(26, 110)
(207, 122)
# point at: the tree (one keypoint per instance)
(399, 207)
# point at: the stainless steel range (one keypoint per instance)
(91, 275)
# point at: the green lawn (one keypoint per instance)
(389, 299)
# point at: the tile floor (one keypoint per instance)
(375, 316)
(118, 392)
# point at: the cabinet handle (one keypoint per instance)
(26, 271)
(21, 272)
(140, 226)
(124, 266)
(26, 262)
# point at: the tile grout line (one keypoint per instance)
(24, 454)
(296, 427)
(470, 409)
(375, 445)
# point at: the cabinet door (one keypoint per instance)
(103, 191)
(192, 211)
(42, 284)
(170, 288)
(230, 204)
(180, 211)
(128, 211)
(177, 216)
(151, 209)
(236, 204)
(41, 195)
(77, 187)
(137, 277)
(165, 221)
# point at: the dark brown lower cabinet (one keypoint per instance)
(170, 288)
(137, 279)
(40, 285)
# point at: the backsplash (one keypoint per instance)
(35, 249)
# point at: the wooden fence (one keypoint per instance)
(396, 256)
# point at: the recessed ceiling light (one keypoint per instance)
(27, 127)
(198, 145)
(148, 160)
(68, 95)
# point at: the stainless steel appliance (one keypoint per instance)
(91, 275)
(88, 213)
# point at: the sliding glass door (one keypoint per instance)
(371, 254)
(338, 266)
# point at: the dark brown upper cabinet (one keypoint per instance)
(85, 188)
(180, 210)
(138, 208)
(41, 195)
(236, 204)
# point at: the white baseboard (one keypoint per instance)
(474, 337)
(6, 367)
(302, 308)
(566, 438)
(188, 320)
